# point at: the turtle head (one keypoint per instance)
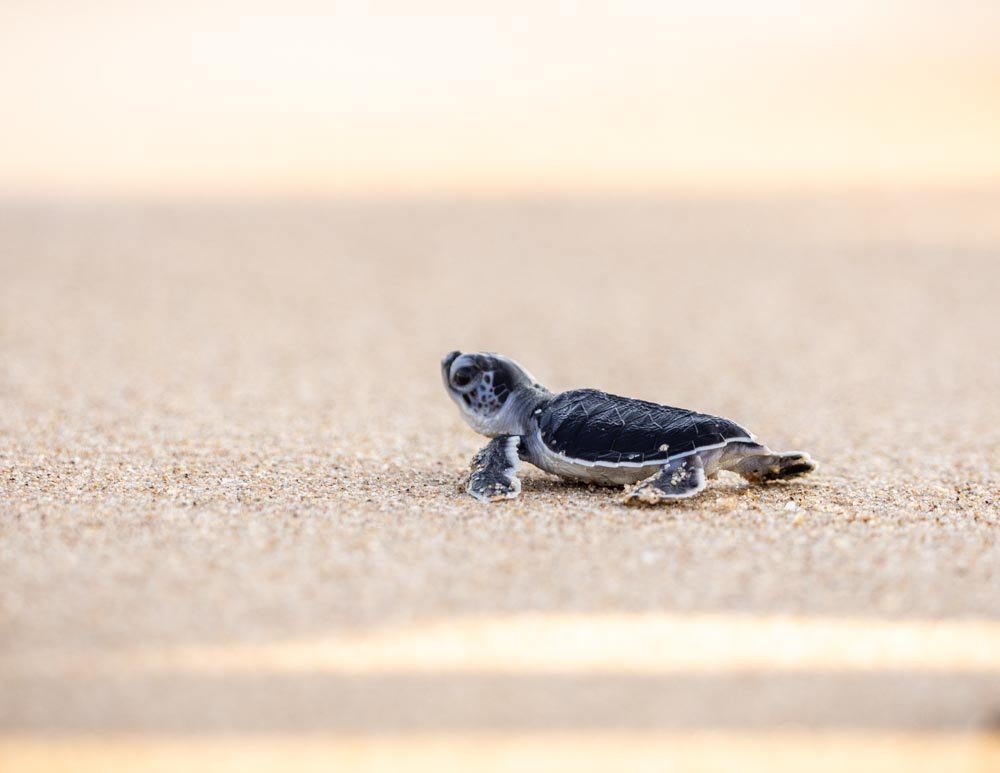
(494, 394)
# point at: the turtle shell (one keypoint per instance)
(598, 428)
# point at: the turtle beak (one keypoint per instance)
(446, 368)
(449, 359)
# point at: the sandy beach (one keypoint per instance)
(231, 531)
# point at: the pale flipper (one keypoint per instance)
(769, 466)
(494, 469)
(679, 479)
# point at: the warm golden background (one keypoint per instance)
(316, 97)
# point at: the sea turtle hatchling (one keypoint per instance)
(589, 435)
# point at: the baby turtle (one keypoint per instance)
(592, 436)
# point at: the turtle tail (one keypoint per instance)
(769, 466)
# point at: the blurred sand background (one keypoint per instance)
(234, 245)
(226, 448)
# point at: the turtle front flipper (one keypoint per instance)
(494, 469)
(679, 479)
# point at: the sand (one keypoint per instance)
(228, 466)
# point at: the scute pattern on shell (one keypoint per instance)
(595, 426)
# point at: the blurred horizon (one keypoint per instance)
(261, 98)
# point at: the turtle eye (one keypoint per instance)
(463, 376)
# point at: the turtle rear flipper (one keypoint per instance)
(494, 470)
(679, 479)
(768, 466)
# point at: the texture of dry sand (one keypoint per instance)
(228, 475)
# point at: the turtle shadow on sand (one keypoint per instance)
(728, 490)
